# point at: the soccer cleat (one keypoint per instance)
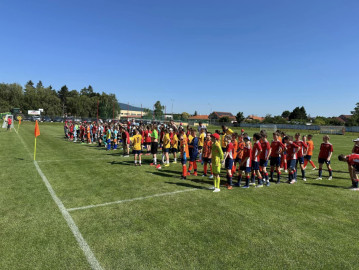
(237, 185)
(188, 173)
(152, 164)
(304, 179)
(354, 189)
(314, 169)
(174, 162)
(229, 187)
(330, 178)
(259, 186)
(167, 165)
(126, 156)
(158, 167)
(278, 182)
(319, 178)
(268, 184)
(252, 184)
(216, 190)
(212, 188)
(203, 175)
(195, 174)
(286, 171)
(293, 181)
(211, 176)
(245, 186)
(304, 167)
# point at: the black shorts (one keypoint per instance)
(136, 152)
(200, 147)
(154, 147)
(166, 150)
(174, 150)
(207, 160)
(308, 157)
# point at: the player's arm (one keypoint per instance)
(244, 161)
(269, 151)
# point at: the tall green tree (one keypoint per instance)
(298, 113)
(240, 117)
(158, 109)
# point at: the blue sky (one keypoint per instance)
(257, 57)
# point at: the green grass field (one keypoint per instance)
(308, 225)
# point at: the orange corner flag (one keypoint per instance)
(37, 130)
(37, 133)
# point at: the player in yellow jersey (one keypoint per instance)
(137, 147)
(217, 157)
(201, 138)
(166, 148)
(226, 131)
(174, 144)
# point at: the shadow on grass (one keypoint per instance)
(185, 184)
(325, 185)
(162, 174)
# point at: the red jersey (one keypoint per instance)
(148, 136)
(291, 148)
(240, 149)
(353, 159)
(126, 137)
(9, 121)
(230, 150)
(247, 153)
(255, 151)
(235, 146)
(265, 149)
(207, 148)
(356, 149)
(325, 150)
(302, 148)
(277, 148)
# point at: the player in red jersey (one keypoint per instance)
(246, 163)
(292, 150)
(325, 154)
(238, 160)
(303, 147)
(207, 155)
(353, 167)
(228, 160)
(264, 156)
(235, 145)
(355, 149)
(275, 158)
(256, 151)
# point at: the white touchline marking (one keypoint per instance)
(70, 222)
(75, 159)
(131, 200)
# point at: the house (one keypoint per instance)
(254, 117)
(129, 111)
(218, 115)
(199, 118)
(345, 117)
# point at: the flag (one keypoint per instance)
(37, 130)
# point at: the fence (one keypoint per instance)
(282, 126)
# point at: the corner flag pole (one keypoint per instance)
(37, 133)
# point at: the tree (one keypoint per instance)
(185, 115)
(240, 117)
(285, 114)
(298, 113)
(224, 119)
(158, 109)
(354, 120)
(195, 113)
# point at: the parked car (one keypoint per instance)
(36, 117)
(58, 119)
(26, 118)
(47, 119)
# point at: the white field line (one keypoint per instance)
(70, 222)
(131, 200)
(74, 159)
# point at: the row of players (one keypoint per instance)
(237, 149)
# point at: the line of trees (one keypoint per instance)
(63, 102)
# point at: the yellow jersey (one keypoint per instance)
(166, 141)
(137, 142)
(228, 132)
(201, 139)
(174, 142)
(190, 138)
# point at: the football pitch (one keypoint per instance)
(81, 207)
